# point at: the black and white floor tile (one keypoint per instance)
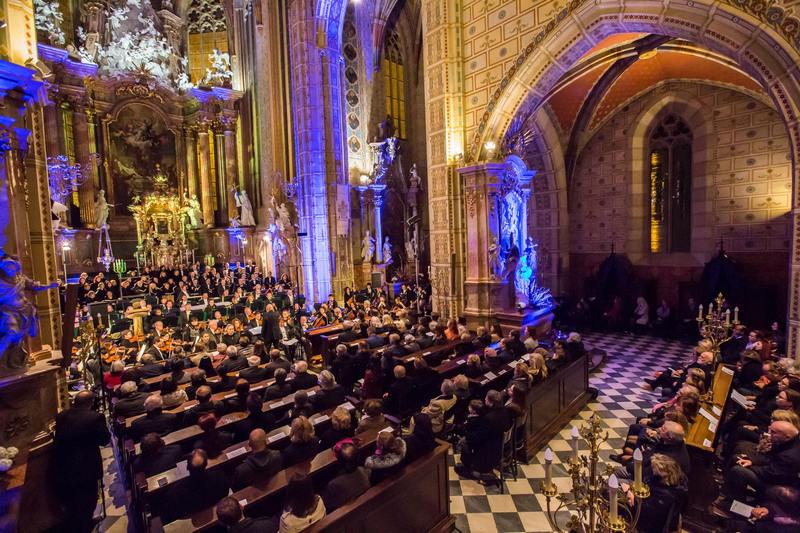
(480, 509)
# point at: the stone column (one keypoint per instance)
(206, 194)
(483, 227)
(231, 167)
(442, 38)
(190, 142)
(223, 214)
(377, 199)
(86, 192)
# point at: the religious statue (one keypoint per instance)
(195, 212)
(18, 317)
(387, 251)
(530, 253)
(411, 249)
(243, 202)
(367, 248)
(413, 186)
(235, 222)
(58, 209)
(101, 210)
(495, 262)
(386, 128)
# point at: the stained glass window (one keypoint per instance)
(395, 81)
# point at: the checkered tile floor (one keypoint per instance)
(480, 509)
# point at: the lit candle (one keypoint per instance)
(700, 313)
(736, 314)
(728, 317)
(574, 443)
(548, 467)
(637, 467)
(613, 485)
(711, 308)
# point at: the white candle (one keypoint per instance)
(700, 313)
(711, 308)
(548, 467)
(736, 314)
(637, 467)
(613, 485)
(728, 317)
(574, 443)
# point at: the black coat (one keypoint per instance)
(297, 452)
(254, 374)
(192, 494)
(79, 434)
(257, 466)
(303, 381)
(166, 458)
(345, 487)
(153, 422)
(328, 399)
(130, 405)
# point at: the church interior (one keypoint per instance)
(400, 266)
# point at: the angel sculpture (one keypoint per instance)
(18, 317)
(495, 262)
(387, 251)
(367, 248)
(243, 202)
(101, 210)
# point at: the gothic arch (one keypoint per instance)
(700, 120)
(769, 53)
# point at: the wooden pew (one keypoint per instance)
(315, 336)
(415, 499)
(701, 441)
(257, 495)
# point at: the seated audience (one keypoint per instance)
(155, 421)
(341, 428)
(389, 453)
(397, 399)
(303, 443)
(421, 440)
(213, 441)
(280, 388)
(373, 417)
(254, 373)
(171, 395)
(302, 379)
(130, 402)
(261, 463)
(330, 394)
(203, 488)
(351, 481)
(229, 514)
(303, 507)
(156, 457)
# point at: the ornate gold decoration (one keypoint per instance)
(591, 512)
(138, 90)
(716, 326)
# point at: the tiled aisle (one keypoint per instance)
(479, 509)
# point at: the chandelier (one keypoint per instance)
(63, 177)
(105, 255)
(590, 511)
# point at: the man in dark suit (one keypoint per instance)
(254, 373)
(155, 421)
(131, 401)
(276, 361)
(205, 404)
(201, 489)
(373, 339)
(395, 348)
(302, 379)
(280, 388)
(232, 362)
(731, 350)
(270, 330)
(397, 400)
(156, 457)
(261, 464)
(150, 368)
(185, 317)
(79, 433)
(348, 335)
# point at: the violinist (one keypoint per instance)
(207, 343)
(249, 318)
(158, 330)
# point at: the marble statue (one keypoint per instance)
(495, 262)
(411, 249)
(195, 212)
(235, 222)
(59, 210)
(243, 202)
(18, 317)
(101, 210)
(387, 251)
(530, 253)
(413, 186)
(367, 248)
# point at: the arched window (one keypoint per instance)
(395, 81)
(670, 186)
(207, 32)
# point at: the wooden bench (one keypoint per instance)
(257, 495)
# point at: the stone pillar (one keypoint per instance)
(231, 167)
(481, 286)
(377, 199)
(223, 215)
(442, 47)
(206, 194)
(190, 142)
(86, 192)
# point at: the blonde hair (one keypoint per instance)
(537, 363)
(340, 418)
(667, 469)
(302, 430)
(784, 415)
(474, 359)
(461, 382)
(704, 345)
(521, 369)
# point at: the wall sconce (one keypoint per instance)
(490, 148)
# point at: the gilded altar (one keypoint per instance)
(162, 220)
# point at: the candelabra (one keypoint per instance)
(717, 326)
(590, 511)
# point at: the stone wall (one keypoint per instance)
(741, 190)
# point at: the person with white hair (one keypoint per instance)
(155, 421)
(254, 372)
(330, 394)
(302, 379)
(131, 401)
